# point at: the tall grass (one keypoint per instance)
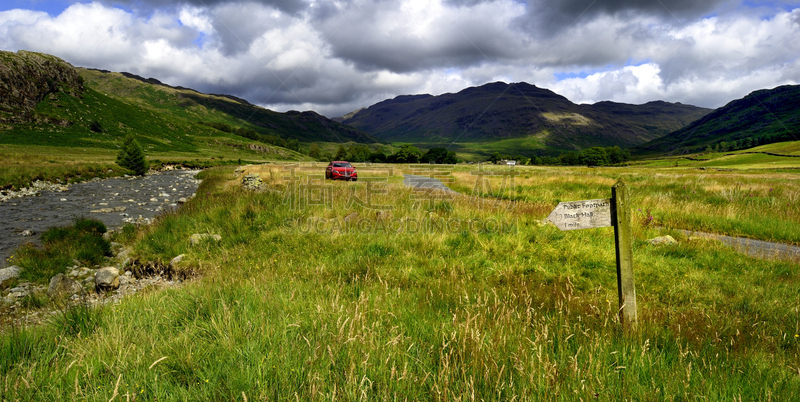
(83, 241)
(285, 313)
(760, 205)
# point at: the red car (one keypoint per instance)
(341, 170)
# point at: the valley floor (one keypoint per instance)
(371, 290)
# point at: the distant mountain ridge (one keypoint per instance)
(497, 111)
(761, 117)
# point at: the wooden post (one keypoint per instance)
(621, 220)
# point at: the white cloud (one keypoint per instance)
(334, 57)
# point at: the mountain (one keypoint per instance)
(500, 111)
(46, 101)
(26, 78)
(762, 117)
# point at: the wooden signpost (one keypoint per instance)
(614, 211)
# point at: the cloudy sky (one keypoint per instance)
(337, 56)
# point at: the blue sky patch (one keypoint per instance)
(52, 7)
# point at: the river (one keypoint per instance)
(112, 201)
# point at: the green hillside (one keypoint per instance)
(58, 105)
(762, 117)
(195, 106)
(62, 123)
(476, 117)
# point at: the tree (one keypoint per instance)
(570, 158)
(341, 153)
(358, 153)
(293, 144)
(377, 157)
(406, 154)
(618, 155)
(595, 156)
(521, 160)
(131, 156)
(439, 155)
(314, 151)
(248, 133)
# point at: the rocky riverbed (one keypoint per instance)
(24, 215)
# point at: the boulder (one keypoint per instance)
(198, 238)
(8, 275)
(252, 182)
(107, 279)
(663, 240)
(176, 260)
(63, 286)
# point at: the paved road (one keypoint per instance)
(754, 248)
(415, 181)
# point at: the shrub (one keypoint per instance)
(96, 126)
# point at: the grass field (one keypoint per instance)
(758, 204)
(753, 158)
(481, 151)
(314, 293)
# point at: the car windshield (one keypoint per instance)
(341, 165)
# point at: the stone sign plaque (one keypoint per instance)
(586, 214)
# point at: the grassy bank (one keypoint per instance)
(320, 298)
(21, 165)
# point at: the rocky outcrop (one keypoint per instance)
(26, 78)
(8, 275)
